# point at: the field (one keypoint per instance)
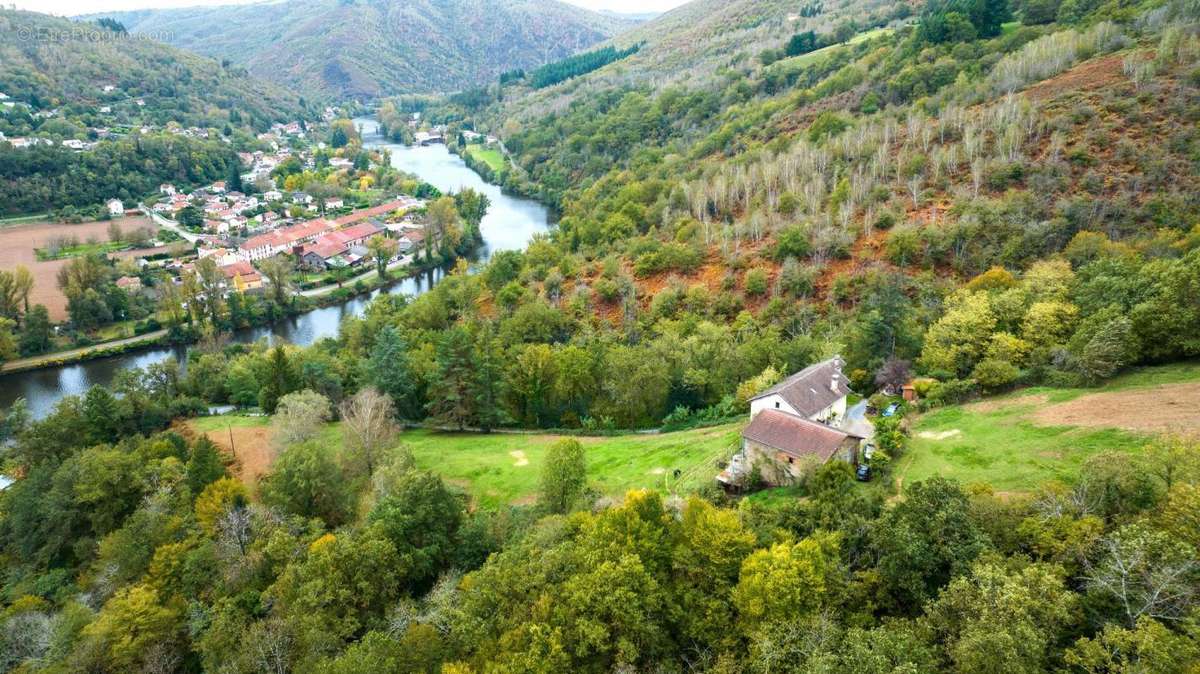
(502, 468)
(19, 244)
(1019, 442)
(811, 56)
(489, 156)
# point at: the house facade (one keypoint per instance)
(795, 426)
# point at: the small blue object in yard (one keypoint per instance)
(891, 409)
(863, 473)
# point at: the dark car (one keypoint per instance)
(863, 473)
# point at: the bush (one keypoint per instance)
(827, 124)
(792, 242)
(756, 282)
(994, 374)
(951, 391)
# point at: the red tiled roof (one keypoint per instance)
(239, 269)
(358, 216)
(325, 248)
(795, 436)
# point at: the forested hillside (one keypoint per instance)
(368, 48)
(77, 68)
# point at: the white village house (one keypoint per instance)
(795, 426)
(116, 208)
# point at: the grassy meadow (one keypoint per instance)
(1026, 439)
(488, 155)
(501, 468)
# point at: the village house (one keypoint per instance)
(129, 284)
(795, 426)
(116, 208)
(242, 276)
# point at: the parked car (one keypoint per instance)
(863, 473)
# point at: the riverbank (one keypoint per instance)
(324, 296)
(114, 347)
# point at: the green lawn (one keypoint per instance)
(81, 249)
(811, 56)
(998, 444)
(501, 468)
(490, 156)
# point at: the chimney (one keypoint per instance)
(837, 373)
(833, 382)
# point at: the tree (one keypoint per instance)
(382, 250)
(421, 518)
(452, 393)
(35, 338)
(788, 581)
(389, 369)
(564, 476)
(277, 271)
(216, 500)
(443, 228)
(131, 623)
(280, 380)
(893, 374)
(924, 541)
(190, 217)
(8, 341)
(305, 480)
(1148, 647)
(298, 417)
(957, 341)
(1144, 573)
(367, 426)
(1002, 621)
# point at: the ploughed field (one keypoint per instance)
(19, 244)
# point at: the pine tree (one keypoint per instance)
(453, 395)
(389, 370)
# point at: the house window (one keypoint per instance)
(776, 404)
(791, 460)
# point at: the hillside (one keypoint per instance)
(63, 71)
(367, 48)
(1015, 205)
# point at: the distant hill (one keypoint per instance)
(95, 77)
(368, 48)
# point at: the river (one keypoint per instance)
(510, 223)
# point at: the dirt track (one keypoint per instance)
(1170, 408)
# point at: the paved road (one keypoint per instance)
(325, 290)
(77, 354)
(856, 420)
(169, 224)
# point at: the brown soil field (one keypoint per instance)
(17, 246)
(251, 449)
(1170, 408)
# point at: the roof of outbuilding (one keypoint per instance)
(809, 391)
(795, 436)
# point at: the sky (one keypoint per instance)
(72, 7)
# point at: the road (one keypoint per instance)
(34, 362)
(325, 290)
(169, 224)
(856, 420)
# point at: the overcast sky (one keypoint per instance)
(71, 7)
